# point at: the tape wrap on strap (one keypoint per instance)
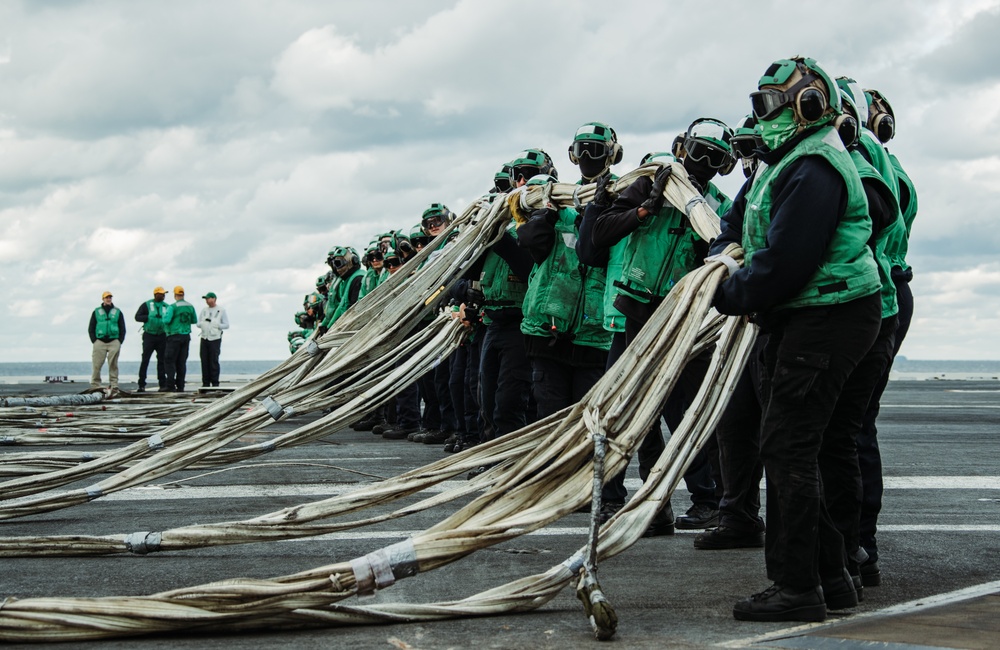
(143, 543)
(380, 569)
(273, 408)
(730, 263)
(695, 200)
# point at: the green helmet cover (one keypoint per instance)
(781, 71)
(659, 157)
(595, 131)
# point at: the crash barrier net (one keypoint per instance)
(522, 493)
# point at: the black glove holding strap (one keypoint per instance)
(603, 196)
(654, 203)
(551, 215)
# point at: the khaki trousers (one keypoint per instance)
(104, 351)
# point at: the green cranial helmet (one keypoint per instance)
(881, 119)
(857, 95)
(799, 76)
(709, 141)
(597, 141)
(418, 237)
(531, 162)
(659, 157)
(345, 253)
(321, 282)
(746, 137)
(541, 179)
(502, 180)
(848, 123)
(435, 216)
(392, 259)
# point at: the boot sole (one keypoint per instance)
(808, 614)
(871, 579)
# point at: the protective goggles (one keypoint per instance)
(420, 241)
(432, 222)
(337, 262)
(374, 256)
(766, 104)
(594, 149)
(524, 171)
(700, 151)
(744, 145)
(393, 262)
(502, 183)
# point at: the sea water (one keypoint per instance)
(244, 371)
(128, 371)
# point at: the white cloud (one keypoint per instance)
(229, 145)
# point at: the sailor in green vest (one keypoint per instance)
(107, 333)
(439, 420)
(315, 302)
(180, 317)
(811, 282)
(881, 127)
(660, 248)
(842, 480)
(564, 307)
(738, 431)
(346, 287)
(502, 282)
(153, 316)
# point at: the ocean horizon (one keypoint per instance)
(245, 370)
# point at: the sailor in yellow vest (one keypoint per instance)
(107, 333)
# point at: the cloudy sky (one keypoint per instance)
(226, 146)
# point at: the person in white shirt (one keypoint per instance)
(212, 320)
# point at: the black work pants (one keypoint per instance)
(557, 385)
(408, 407)
(738, 435)
(463, 382)
(838, 464)
(810, 356)
(504, 379)
(153, 343)
(209, 354)
(431, 418)
(439, 411)
(175, 365)
(869, 456)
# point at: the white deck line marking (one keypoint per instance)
(940, 406)
(936, 600)
(156, 493)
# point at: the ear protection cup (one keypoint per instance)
(810, 104)
(677, 146)
(616, 153)
(616, 149)
(883, 126)
(847, 129)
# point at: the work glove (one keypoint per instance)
(474, 296)
(654, 203)
(551, 215)
(603, 196)
(322, 329)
